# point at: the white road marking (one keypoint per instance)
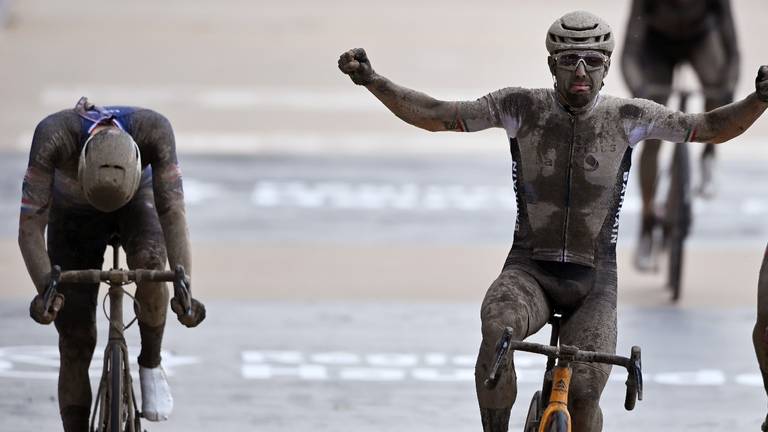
(375, 196)
(437, 367)
(355, 195)
(42, 362)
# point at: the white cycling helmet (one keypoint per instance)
(109, 170)
(580, 30)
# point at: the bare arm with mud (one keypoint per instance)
(168, 189)
(36, 198)
(411, 106)
(730, 121)
(169, 202)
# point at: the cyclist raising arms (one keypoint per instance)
(571, 151)
(661, 35)
(94, 172)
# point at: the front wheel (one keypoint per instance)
(558, 422)
(115, 392)
(533, 418)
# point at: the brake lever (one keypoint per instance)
(51, 291)
(181, 290)
(502, 347)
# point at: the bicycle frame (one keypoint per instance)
(558, 399)
(115, 408)
(116, 357)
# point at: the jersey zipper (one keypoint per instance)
(568, 187)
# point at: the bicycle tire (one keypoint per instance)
(116, 390)
(535, 409)
(678, 217)
(558, 422)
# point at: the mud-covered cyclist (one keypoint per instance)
(94, 172)
(571, 151)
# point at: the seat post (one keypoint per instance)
(554, 340)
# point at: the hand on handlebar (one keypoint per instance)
(192, 319)
(43, 315)
(355, 63)
(761, 83)
(189, 311)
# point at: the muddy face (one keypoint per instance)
(577, 85)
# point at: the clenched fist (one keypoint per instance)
(355, 63)
(761, 83)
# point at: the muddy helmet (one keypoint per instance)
(109, 170)
(580, 30)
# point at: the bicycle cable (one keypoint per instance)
(136, 308)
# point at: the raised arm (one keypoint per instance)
(730, 121)
(414, 107)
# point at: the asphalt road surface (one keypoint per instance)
(392, 367)
(342, 254)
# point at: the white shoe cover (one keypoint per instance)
(156, 399)
(645, 260)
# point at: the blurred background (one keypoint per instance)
(343, 254)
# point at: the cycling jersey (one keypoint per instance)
(569, 169)
(52, 172)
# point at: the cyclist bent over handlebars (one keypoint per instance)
(570, 150)
(94, 172)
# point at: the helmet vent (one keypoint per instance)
(575, 28)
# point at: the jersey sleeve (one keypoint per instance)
(496, 109)
(650, 120)
(44, 154)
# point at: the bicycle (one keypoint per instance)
(554, 416)
(115, 408)
(675, 215)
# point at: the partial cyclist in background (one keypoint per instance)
(571, 149)
(760, 333)
(661, 35)
(95, 172)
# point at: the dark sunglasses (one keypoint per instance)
(592, 60)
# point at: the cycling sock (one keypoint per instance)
(495, 420)
(75, 418)
(151, 341)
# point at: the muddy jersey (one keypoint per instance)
(570, 171)
(51, 176)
